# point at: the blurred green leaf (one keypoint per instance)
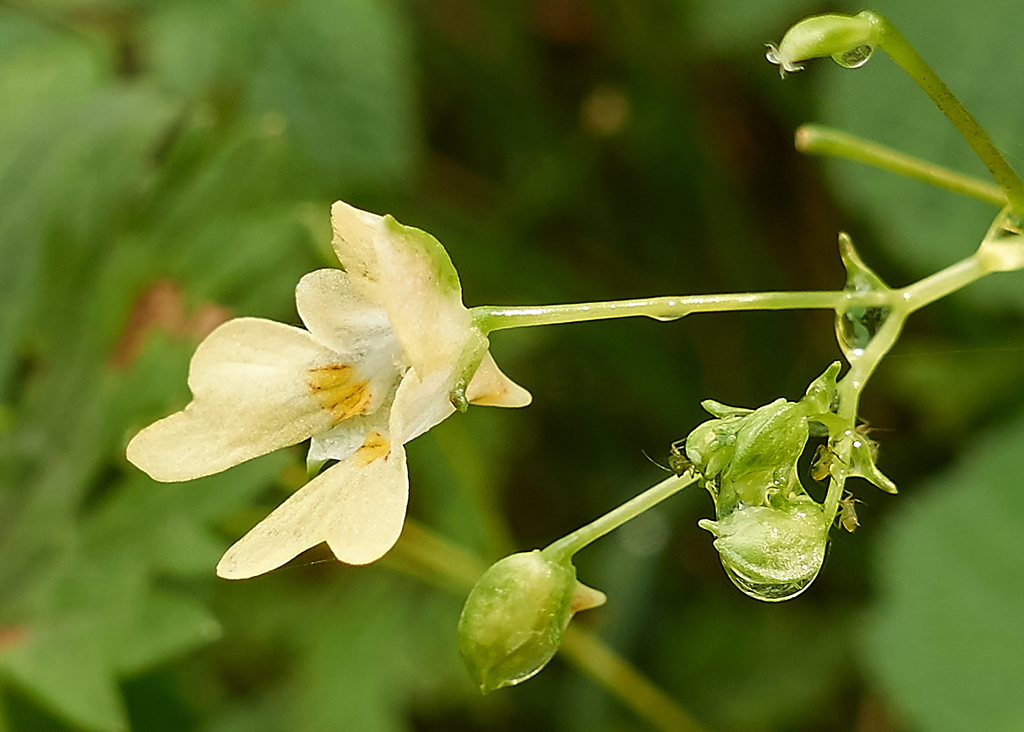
(945, 636)
(337, 77)
(167, 625)
(203, 48)
(774, 666)
(65, 667)
(984, 377)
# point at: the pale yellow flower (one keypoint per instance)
(387, 350)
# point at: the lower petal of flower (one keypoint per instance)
(357, 507)
(258, 386)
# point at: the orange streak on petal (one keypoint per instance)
(374, 447)
(338, 391)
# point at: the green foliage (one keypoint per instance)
(164, 164)
(944, 636)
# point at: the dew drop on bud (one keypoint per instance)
(855, 57)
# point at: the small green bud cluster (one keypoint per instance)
(769, 533)
(848, 39)
(516, 616)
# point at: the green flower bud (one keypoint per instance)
(848, 39)
(710, 446)
(515, 617)
(822, 396)
(772, 554)
(763, 469)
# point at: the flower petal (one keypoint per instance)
(339, 443)
(409, 273)
(342, 319)
(258, 386)
(489, 387)
(357, 507)
(421, 403)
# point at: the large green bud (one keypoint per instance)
(516, 615)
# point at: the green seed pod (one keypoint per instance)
(516, 615)
(772, 554)
(848, 39)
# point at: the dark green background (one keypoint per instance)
(165, 161)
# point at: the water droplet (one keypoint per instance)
(857, 326)
(855, 57)
(771, 591)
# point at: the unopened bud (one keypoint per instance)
(516, 615)
(770, 534)
(847, 39)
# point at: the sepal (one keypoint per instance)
(863, 457)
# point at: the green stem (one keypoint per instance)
(952, 278)
(862, 366)
(863, 363)
(567, 546)
(893, 42)
(491, 318)
(821, 140)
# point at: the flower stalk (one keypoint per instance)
(814, 139)
(567, 546)
(906, 56)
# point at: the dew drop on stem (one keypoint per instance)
(857, 326)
